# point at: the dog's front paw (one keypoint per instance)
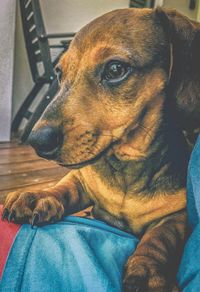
(141, 276)
(36, 208)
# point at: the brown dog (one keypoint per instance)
(130, 84)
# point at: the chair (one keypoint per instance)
(41, 64)
(141, 3)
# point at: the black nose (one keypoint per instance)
(46, 141)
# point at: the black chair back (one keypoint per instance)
(36, 41)
(41, 63)
(141, 3)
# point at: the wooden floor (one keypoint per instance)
(21, 169)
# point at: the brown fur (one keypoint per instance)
(126, 141)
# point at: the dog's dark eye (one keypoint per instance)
(115, 71)
(58, 73)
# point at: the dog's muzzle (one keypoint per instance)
(46, 141)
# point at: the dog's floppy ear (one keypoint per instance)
(184, 35)
(178, 26)
(184, 85)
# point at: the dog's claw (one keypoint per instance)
(11, 216)
(136, 284)
(5, 214)
(35, 219)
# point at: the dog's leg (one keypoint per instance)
(153, 266)
(46, 206)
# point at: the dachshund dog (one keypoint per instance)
(129, 88)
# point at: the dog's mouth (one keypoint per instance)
(65, 155)
(86, 162)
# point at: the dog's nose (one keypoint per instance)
(46, 141)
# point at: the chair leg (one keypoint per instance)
(25, 105)
(53, 88)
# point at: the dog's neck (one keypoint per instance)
(158, 165)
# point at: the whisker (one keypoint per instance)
(145, 130)
(106, 135)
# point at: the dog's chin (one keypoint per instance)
(78, 165)
(81, 164)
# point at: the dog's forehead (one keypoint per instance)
(117, 26)
(121, 32)
(117, 21)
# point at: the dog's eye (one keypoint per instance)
(115, 71)
(58, 73)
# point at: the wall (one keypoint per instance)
(183, 7)
(198, 11)
(59, 16)
(7, 29)
(62, 16)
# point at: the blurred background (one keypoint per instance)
(59, 17)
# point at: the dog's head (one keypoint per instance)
(113, 81)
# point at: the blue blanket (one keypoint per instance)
(76, 254)
(189, 273)
(86, 255)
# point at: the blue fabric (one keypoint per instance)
(193, 186)
(189, 272)
(76, 254)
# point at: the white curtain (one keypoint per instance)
(7, 37)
